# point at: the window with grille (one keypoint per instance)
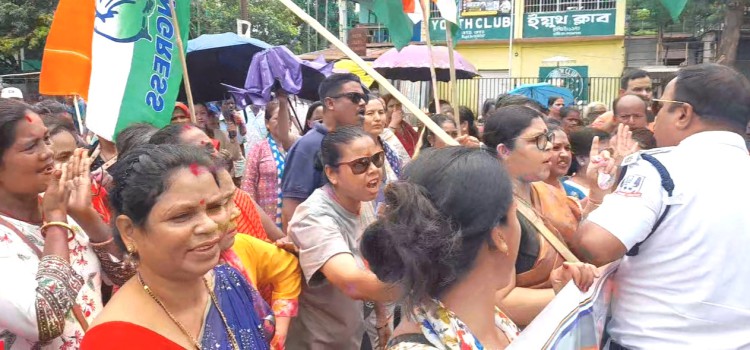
(568, 5)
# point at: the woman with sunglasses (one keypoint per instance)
(523, 143)
(327, 227)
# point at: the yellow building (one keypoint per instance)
(575, 43)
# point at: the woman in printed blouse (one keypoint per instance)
(52, 268)
(453, 249)
(265, 161)
(166, 206)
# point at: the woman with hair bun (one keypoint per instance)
(450, 238)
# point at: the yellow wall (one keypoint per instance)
(604, 58)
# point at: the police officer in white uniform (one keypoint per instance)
(687, 284)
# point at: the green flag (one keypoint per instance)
(675, 8)
(391, 14)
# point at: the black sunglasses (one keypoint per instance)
(360, 165)
(355, 97)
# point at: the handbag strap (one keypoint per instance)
(530, 214)
(77, 311)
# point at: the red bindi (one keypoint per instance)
(203, 202)
(195, 169)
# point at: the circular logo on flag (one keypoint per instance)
(123, 21)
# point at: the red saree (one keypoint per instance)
(125, 336)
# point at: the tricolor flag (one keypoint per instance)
(120, 56)
(399, 16)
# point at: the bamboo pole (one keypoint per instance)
(426, 15)
(78, 116)
(452, 85)
(181, 48)
(382, 81)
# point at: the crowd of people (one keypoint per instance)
(359, 230)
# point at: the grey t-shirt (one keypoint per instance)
(321, 228)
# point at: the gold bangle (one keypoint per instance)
(64, 225)
(101, 244)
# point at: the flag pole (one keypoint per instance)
(382, 81)
(78, 116)
(452, 85)
(181, 48)
(426, 15)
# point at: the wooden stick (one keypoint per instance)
(426, 15)
(452, 85)
(185, 76)
(382, 81)
(78, 117)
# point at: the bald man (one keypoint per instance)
(630, 110)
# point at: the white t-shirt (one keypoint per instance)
(689, 287)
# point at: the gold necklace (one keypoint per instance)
(180, 325)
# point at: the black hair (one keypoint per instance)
(331, 85)
(505, 124)
(519, 100)
(551, 100)
(438, 119)
(432, 109)
(619, 98)
(55, 126)
(51, 108)
(310, 112)
(717, 93)
(553, 124)
(437, 220)
(488, 105)
(567, 110)
(142, 175)
(134, 135)
(580, 144)
(11, 112)
(644, 137)
(331, 147)
(466, 115)
(632, 74)
(170, 134)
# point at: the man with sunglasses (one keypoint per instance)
(344, 99)
(678, 222)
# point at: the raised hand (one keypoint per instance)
(55, 201)
(79, 183)
(623, 144)
(602, 167)
(396, 118)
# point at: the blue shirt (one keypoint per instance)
(300, 176)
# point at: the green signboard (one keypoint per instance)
(574, 78)
(479, 20)
(569, 23)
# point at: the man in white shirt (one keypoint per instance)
(687, 285)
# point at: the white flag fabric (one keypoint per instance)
(448, 10)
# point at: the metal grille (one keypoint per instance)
(568, 5)
(473, 92)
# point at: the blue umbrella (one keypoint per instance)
(213, 59)
(543, 91)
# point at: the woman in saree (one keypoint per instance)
(374, 124)
(164, 200)
(54, 248)
(265, 160)
(523, 142)
(452, 249)
(274, 272)
(404, 132)
(253, 220)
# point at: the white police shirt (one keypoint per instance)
(689, 286)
